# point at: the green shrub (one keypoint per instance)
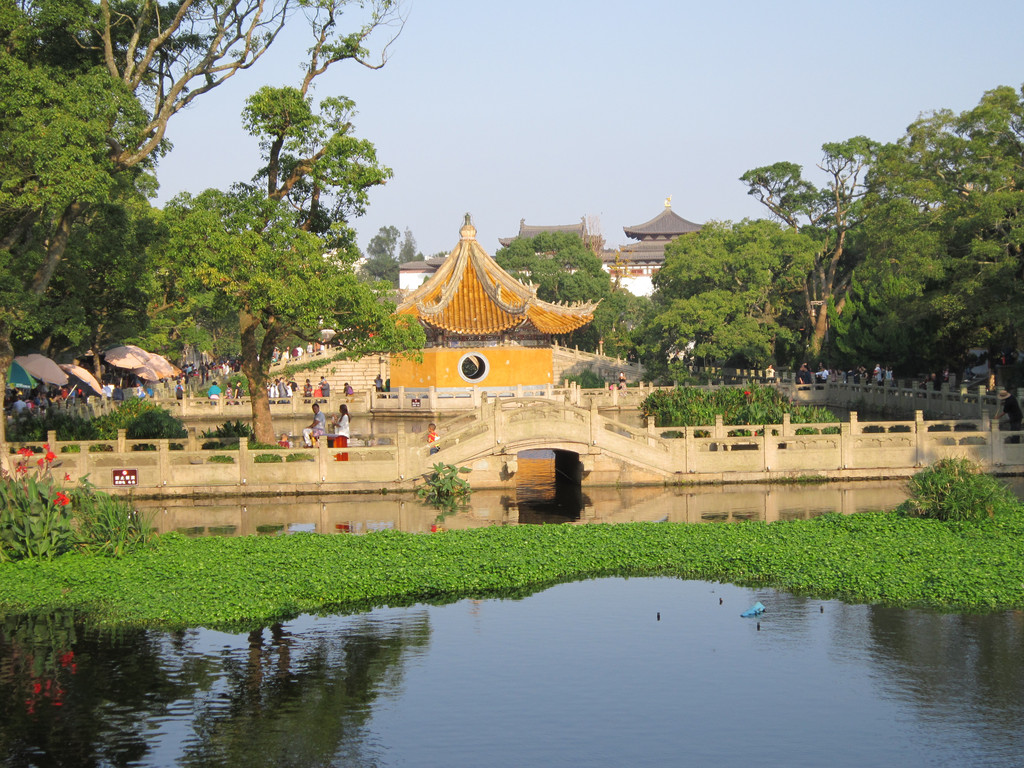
(268, 458)
(444, 487)
(956, 489)
(221, 458)
(300, 457)
(141, 420)
(37, 428)
(689, 406)
(235, 428)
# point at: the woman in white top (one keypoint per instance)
(341, 432)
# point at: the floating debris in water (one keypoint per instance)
(755, 610)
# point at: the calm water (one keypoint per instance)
(582, 674)
(611, 672)
(538, 498)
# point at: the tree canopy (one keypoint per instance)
(943, 236)
(564, 270)
(727, 293)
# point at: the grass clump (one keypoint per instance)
(957, 490)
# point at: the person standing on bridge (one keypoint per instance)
(1010, 408)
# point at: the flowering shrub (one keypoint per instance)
(38, 519)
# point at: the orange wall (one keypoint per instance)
(507, 367)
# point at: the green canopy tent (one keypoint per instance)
(18, 377)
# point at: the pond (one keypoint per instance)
(609, 672)
(539, 497)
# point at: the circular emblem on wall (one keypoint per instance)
(473, 367)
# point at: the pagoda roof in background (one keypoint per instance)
(471, 294)
(528, 231)
(665, 226)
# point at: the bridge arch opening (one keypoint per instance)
(548, 486)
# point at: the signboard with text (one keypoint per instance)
(415, 402)
(123, 477)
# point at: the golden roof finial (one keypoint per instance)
(668, 201)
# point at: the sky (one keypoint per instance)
(553, 110)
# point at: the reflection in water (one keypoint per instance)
(552, 503)
(542, 494)
(647, 672)
(288, 695)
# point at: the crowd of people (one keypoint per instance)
(880, 375)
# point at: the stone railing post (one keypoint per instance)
(322, 457)
(769, 447)
(401, 450)
(432, 397)
(846, 433)
(243, 461)
(719, 426)
(122, 444)
(920, 435)
(163, 462)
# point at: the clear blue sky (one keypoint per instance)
(550, 110)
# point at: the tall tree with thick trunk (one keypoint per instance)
(87, 92)
(828, 214)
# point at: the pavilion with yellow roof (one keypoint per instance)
(484, 328)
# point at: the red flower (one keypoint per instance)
(61, 499)
(46, 446)
(21, 469)
(40, 462)
(26, 452)
(50, 456)
(66, 477)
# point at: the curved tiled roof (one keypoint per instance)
(528, 231)
(666, 224)
(470, 294)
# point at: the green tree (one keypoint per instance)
(381, 259)
(944, 225)
(564, 270)
(87, 91)
(407, 252)
(283, 259)
(102, 295)
(727, 294)
(277, 279)
(828, 215)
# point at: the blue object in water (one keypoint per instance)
(755, 610)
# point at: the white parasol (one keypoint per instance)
(146, 365)
(43, 368)
(127, 356)
(80, 373)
